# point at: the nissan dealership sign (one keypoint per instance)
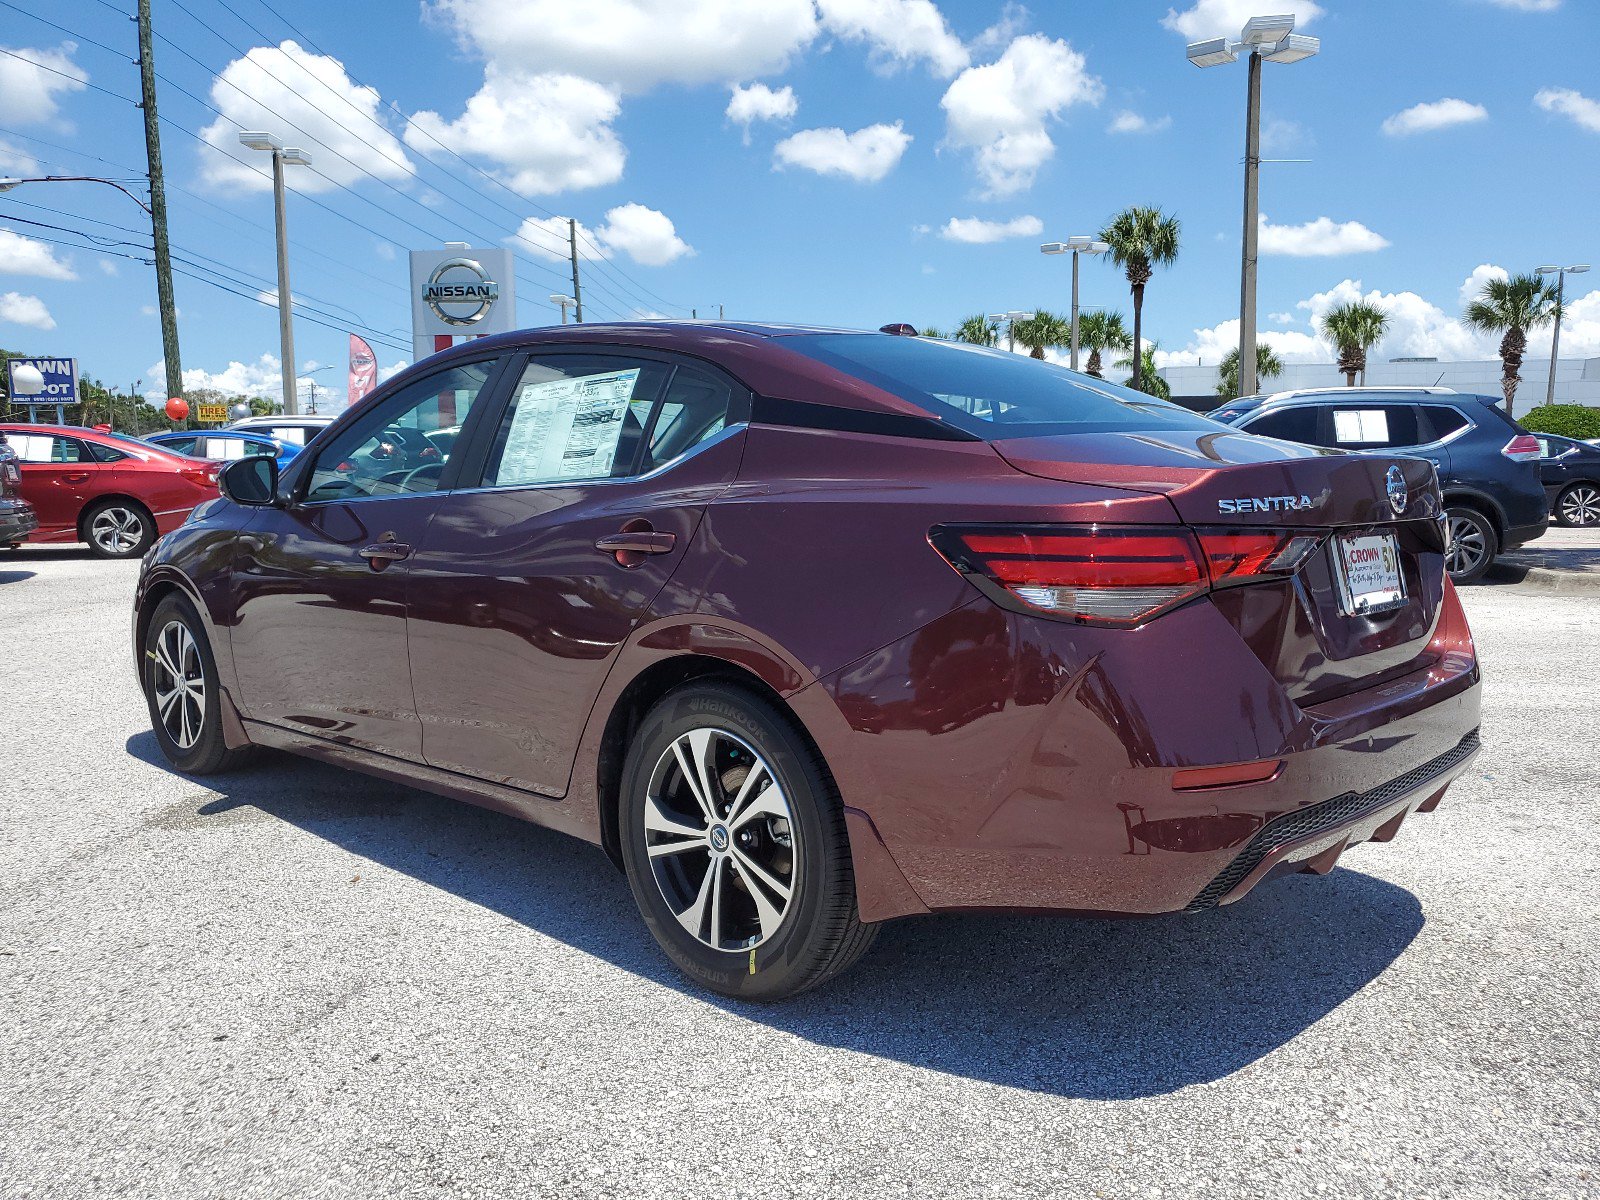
(460, 292)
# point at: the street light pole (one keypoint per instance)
(1078, 244)
(563, 302)
(1011, 319)
(1561, 274)
(1269, 39)
(282, 156)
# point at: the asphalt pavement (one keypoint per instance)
(299, 982)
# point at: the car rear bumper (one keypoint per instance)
(17, 520)
(1521, 535)
(1049, 783)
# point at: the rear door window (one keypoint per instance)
(1437, 422)
(1297, 424)
(48, 448)
(1374, 426)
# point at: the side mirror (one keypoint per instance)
(250, 481)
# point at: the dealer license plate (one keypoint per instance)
(1369, 572)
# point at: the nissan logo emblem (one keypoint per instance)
(460, 291)
(1395, 485)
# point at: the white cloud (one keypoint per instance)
(262, 378)
(24, 256)
(1218, 18)
(551, 132)
(633, 44)
(1418, 328)
(384, 250)
(976, 231)
(1474, 282)
(1001, 109)
(30, 91)
(1580, 332)
(307, 100)
(25, 310)
(107, 266)
(867, 154)
(1013, 20)
(1436, 114)
(16, 160)
(1528, 5)
(758, 102)
(1131, 122)
(1321, 238)
(899, 32)
(1281, 136)
(1573, 105)
(1282, 318)
(643, 234)
(387, 373)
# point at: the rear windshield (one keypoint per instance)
(993, 393)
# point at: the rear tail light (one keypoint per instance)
(1115, 574)
(200, 476)
(1522, 448)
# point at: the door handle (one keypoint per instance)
(381, 553)
(75, 476)
(633, 543)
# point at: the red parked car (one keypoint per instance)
(113, 492)
(811, 629)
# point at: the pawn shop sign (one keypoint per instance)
(37, 382)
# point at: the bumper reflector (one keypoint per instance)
(1194, 779)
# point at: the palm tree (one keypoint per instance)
(1146, 379)
(1268, 366)
(1141, 239)
(1099, 330)
(1354, 328)
(978, 330)
(931, 331)
(1042, 331)
(1513, 307)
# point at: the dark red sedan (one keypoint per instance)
(113, 492)
(811, 629)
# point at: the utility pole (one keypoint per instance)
(577, 288)
(158, 205)
(1252, 207)
(291, 401)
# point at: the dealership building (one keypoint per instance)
(1577, 379)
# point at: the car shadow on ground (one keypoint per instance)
(1098, 1009)
(9, 576)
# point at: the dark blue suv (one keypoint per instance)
(1488, 465)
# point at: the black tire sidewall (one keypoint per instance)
(209, 747)
(1561, 499)
(147, 526)
(792, 959)
(1491, 541)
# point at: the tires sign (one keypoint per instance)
(211, 414)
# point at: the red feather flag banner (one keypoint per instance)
(363, 368)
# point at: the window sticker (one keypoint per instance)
(1360, 425)
(566, 428)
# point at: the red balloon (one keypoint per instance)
(177, 408)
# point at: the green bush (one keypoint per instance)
(1563, 420)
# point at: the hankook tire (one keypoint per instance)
(735, 846)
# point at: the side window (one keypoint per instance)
(574, 417)
(287, 433)
(388, 452)
(183, 445)
(1438, 421)
(1375, 426)
(1289, 425)
(47, 448)
(105, 454)
(694, 409)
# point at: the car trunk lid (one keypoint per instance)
(1303, 629)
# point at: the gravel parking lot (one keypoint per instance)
(297, 982)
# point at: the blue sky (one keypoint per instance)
(1447, 140)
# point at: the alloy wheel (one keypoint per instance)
(1468, 546)
(721, 840)
(1581, 505)
(179, 681)
(116, 530)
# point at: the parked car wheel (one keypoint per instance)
(1473, 544)
(118, 529)
(1579, 505)
(735, 846)
(179, 676)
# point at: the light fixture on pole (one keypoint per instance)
(310, 374)
(1561, 274)
(295, 157)
(564, 302)
(1076, 245)
(1009, 319)
(1268, 39)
